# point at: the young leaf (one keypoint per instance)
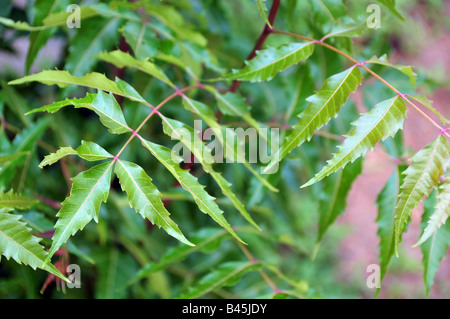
(435, 249)
(122, 59)
(145, 198)
(17, 242)
(190, 139)
(324, 105)
(17, 201)
(267, 63)
(89, 151)
(227, 274)
(262, 8)
(440, 215)
(333, 205)
(89, 189)
(382, 121)
(205, 202)
(422, 175)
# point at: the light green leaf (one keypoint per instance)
(17, 242)
(382, 121)
(267, 63)
(146, 199)
(205, 202)
(15, 201)
(422, 175)
(123, 59)
(435, 249)
(60, 18)
(440, 215)
(103, 104)
(54, 157)
(262, 8)
(64, 79)
(324, 105)
(205, 113)
(89, 189)
(429, 104)
(190, 139)
(405, 69)
(227, 274)
(89, 151)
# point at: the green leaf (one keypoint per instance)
(422, 175)
(324, 105)
(205, 202)
(429, 104)
(382, 121)
(95, 36)
(190, 139)
(440, 215)
(15, 201)
(89, 189)
(262, 8)
(141, 38)
(92, 152)
(206, 114)
(20, 25)
(145, 198)
(103, 104)
(405, 69)
(64, 79)
(5, 159)
(335, 192)
(38, 39)
(267, 63)
(204, 240)
(60, 18)
(123, 59)
(386, 202)
(227, 274)
(89, 151)
(54, 157)
(435, 249)
(390, 4)
(115, 269)
(17, 242)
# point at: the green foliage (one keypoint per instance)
(148, 69)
